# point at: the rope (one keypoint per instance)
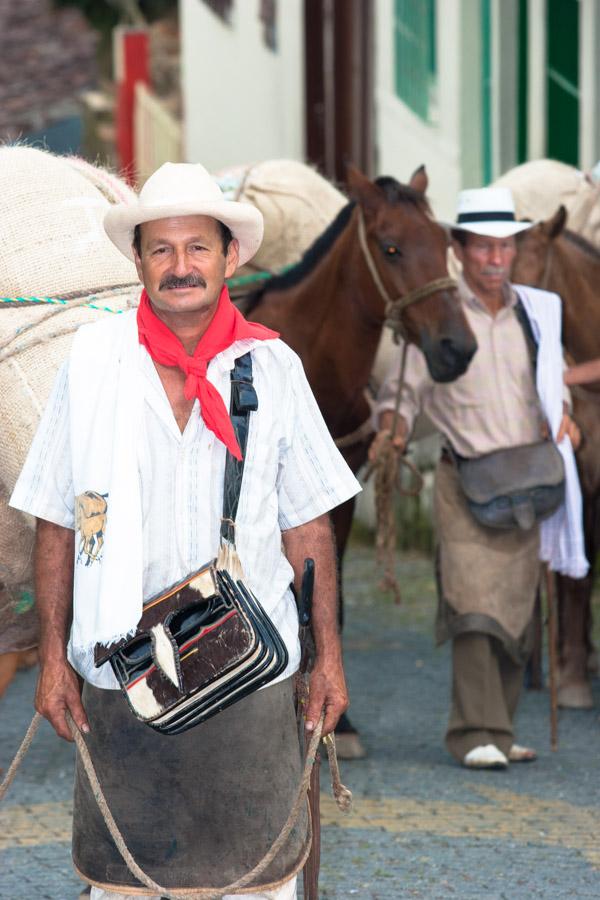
(357, 436)
(395, 308)
(253, 277)
(38, 301)
(388, 467)
(232, 283)
(25, 745)
(62, 305)
(342, 795)
(72, 295)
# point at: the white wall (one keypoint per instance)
(242, 101)
(589, 81)
(403, 140)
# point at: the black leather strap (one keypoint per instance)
(530, 340)
(243, 402)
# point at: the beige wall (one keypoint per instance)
(242, 101)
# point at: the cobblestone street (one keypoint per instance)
(421, 825)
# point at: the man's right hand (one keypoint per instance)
(399, 441)
(57, 691)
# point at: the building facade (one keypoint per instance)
(474, 87)
(242, 79)
(471, 88)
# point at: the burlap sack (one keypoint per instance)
(18, 620)
(53, 245)
(297, 204)
(540, 186)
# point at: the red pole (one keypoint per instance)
(131, 54)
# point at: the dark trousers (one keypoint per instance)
(486, 684)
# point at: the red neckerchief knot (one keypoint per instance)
(227, 326)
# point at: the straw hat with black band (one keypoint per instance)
(488, 211)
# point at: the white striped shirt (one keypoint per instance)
(293, 473)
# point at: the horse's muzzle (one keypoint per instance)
(448, 357)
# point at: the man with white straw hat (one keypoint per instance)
(498, 477)
(135, 478)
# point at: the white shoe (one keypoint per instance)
(521, 754)
(485, 757)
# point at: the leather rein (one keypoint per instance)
(394, 310)
(395, 307)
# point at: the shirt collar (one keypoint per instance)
(470, 299)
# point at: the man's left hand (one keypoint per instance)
(569, 428)
(327, 691)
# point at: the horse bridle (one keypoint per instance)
(394, 308)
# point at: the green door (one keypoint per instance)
(486, 90)
(415, 61)
(562, 139)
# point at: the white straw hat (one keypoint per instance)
(184, 189)
(488, 211)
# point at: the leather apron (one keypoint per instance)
(197, 810)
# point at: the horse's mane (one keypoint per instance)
(582, 244)
(311, 257)
(394, 193)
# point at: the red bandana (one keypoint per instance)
(227, 326)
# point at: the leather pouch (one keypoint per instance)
(514, 487)
(199, 647)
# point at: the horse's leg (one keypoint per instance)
(574, 604)
(342, 524)
(592, 652)
(89, 550)
(348, 743)
(574, 690)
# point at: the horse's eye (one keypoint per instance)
(392, 251)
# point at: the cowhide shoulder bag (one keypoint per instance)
(514, 487)
(206, 642)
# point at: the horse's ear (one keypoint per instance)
(554, 226)
(419, 180)
(361, 189)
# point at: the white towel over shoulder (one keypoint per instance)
(106, 402)
(561, 540)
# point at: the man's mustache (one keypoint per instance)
(170, 282)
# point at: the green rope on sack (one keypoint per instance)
(254, 277)
(240, 281)
(55, 301)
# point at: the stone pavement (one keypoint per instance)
(421, 826)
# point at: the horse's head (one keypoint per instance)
(408, 249)
(532, 264)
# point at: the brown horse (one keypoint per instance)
(558, 260)
(331, 307)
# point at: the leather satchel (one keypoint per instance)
(205, 642)
(518, 486)
(514, 487)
